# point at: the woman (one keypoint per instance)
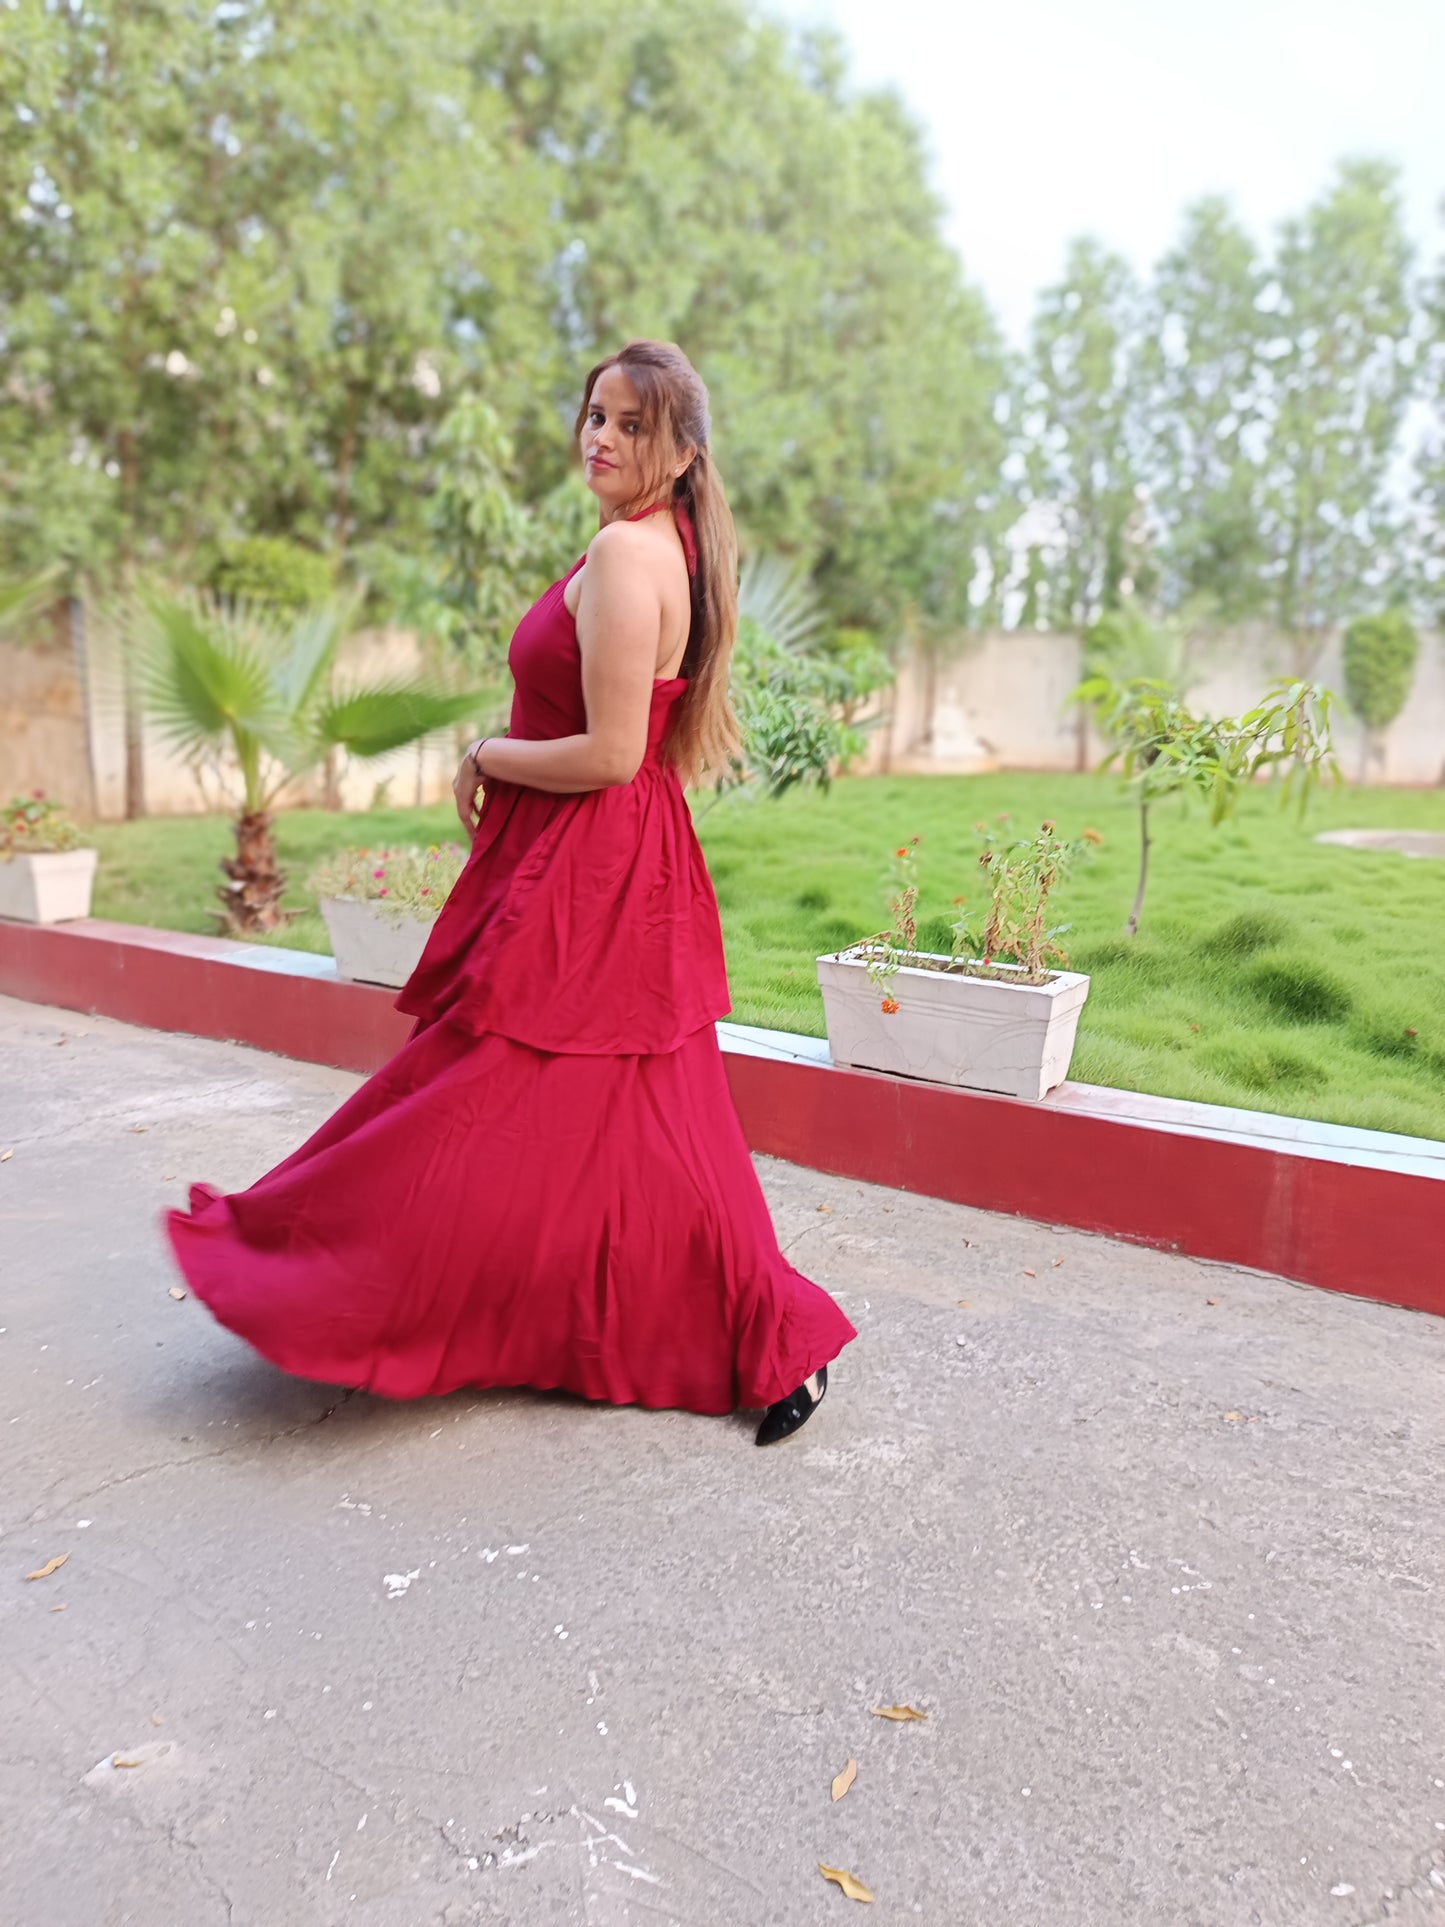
(548, 1185)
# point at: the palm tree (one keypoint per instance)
(223, 679)
(23, 598)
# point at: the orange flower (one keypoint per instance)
(890, 1006)
(1092, 836)
(901, 852)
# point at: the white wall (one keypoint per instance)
(1001, 696)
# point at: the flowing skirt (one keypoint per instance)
(483, 1213)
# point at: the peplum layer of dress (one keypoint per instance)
(548, 1185)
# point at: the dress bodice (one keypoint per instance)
(586, 923)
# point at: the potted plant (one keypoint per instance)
(380, 905)
(46, 871)
(994, 1014)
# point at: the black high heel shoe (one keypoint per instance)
(781, 1420)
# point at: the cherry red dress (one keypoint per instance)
(548, 1184)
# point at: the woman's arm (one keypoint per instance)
(619, 617)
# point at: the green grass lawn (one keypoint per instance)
(1271, 972)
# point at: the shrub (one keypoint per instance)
(1379, 664)
(34, 826)
(1300, 991)
(408, 881)
(270, 570)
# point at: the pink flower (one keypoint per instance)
(383, 893)
(426, 892)
(378, 873)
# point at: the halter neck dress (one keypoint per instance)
(548, 1185)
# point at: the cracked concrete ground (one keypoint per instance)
(1156, 1545)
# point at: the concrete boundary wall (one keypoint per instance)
(998, 701)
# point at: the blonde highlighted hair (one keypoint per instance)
(704, 735)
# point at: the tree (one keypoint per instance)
(1379, 664)
(1081, 455)
(1203, 415)
(224, 680)
(1164, 750)
(1341, 369)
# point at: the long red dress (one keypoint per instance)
(548, 1184)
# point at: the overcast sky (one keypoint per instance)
(1049, 118)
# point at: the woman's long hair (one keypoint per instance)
(704, 735)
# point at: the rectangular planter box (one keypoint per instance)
(53, 887)
(370, 946)
(977, 1032)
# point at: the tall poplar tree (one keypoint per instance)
(1341, 366)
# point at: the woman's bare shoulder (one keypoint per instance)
(630, 546)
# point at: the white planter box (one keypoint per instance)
(51, 888)
(372, 947)
(980, 1032)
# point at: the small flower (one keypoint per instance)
(1048, 825)
(426, 892)
(1092, 836)
(890, 1006)
(959, 902)
(39, 795)
(378, 873)
(383, 893)
(902, 851)
(1412, 1033)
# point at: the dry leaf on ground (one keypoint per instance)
(50, 1566)
(1211, 1301)
(138, 1129)
(57, 1609)
(1057, 1263)
(842, 1781)
(5, 1156)
(897, 1713)
(850, 1884)
(176, 1292)
(825, 1207)
(1233, 1418)
(1029, 1274)
(119, 1759)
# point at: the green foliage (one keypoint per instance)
(1081, 458)
(1164, 750)
(1126, 644)
(788, 706)
(1379, 663)
(258, 264)
(796, 685)
(409, 880)
(1202, 378)
(220, 677)
(22, 600)
(1022, 874)
(34, 826)
(271, 571)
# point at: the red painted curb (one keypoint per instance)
(1364, 1216)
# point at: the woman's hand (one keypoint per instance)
(464, 789)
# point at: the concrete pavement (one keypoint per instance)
(1164, 1573)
